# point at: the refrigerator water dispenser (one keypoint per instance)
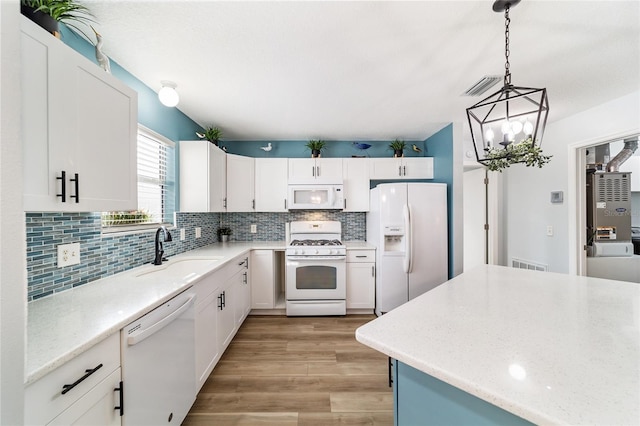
(394, 238)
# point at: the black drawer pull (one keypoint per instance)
(76, 180)
(361, 255)
(121, 406)
(67, 388)
(63, 194)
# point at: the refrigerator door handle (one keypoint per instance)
(410, 239)
(406, 263)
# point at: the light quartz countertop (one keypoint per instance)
(550, 348)
(62, 326)
(359, 245)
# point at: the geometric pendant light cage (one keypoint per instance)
(507, 127)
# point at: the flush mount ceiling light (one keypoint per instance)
(168, 94)
(507, 126)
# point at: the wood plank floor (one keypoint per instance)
(306, 371)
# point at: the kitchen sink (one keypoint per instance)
(179, 268)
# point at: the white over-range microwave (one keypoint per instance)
(315, 195)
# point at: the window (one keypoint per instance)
(156, 185)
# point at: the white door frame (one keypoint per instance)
(576, 198)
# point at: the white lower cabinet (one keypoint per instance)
(99, 406)
(263, 288)
(226, 321)
(361, 279)
(242, 292)
(206, 322)
(82, 388)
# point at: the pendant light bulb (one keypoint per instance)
(506, 127)
(527, 128)
(516, 126)
(168, 95)
(489, 135)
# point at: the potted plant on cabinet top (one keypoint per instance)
(223, 234)
(48, 13)
(316, 147)
(212, 134)
(398, 148)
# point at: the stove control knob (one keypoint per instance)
(297, 252)
(330, 251)
(317, 251)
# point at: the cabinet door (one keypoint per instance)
(206, 337)
(361, 285)
(242, 292)
(355, 174)
(90, 118)
(385, 168)
(240, 181)
(203, 177)
(417, 167)
(329, 168)
(225, 299)
(302, 168)
(263, 293)
(271, 184)
(96, 407)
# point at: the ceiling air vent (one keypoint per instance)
(482, 85)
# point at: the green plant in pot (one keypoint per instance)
(398, 148)
(316, 146)
(48, 14)
(212, 134)
(223, 234)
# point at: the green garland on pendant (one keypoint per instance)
(523, 152)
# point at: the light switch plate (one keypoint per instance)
(198, 232)
(68, 254)
(254, 228)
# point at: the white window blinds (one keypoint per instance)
(155, 183)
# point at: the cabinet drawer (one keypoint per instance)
(356, 256)
(44, 399)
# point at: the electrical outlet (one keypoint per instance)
(549, 231)
(198, 232)
(68, 254)
(183, 234)
(254, 229)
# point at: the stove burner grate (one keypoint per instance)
(316, 243)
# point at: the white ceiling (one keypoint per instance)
(367, 69)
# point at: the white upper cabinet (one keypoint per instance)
(355, 175)
(240, 183)
(79, 130)
(401, 168)
(203, 177)
(271, 184)
(314, 168)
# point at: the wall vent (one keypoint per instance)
(482, 85)
(525, 264)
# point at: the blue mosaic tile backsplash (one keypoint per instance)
(105, 255)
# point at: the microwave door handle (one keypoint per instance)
(332, 194)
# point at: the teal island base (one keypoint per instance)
(423, 400)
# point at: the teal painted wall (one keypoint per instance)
(169, 122)
(297, 149)
(440, 146)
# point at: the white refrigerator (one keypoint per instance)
(407, 222)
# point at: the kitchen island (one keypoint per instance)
(504, 345)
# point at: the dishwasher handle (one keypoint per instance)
(149, 331)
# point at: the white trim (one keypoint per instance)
(576, 198)
(145, 131)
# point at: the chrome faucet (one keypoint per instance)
(159, 252)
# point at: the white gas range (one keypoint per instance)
(316, 269)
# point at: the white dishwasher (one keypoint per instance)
(158, 364)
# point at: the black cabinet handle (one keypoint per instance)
(253, 204)
(121, 406)
(224, 299)
(404, 170)
(399, 170)
(76, 180)
(361, 255)
(220, 301)
(63, 194)
(245, 279)
(67, 388)
(390, 372)
(285, 203)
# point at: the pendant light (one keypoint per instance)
(168, 94)
(507, 126)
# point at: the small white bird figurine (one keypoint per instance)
(103, 60)
(266, 148)
(415, 148)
